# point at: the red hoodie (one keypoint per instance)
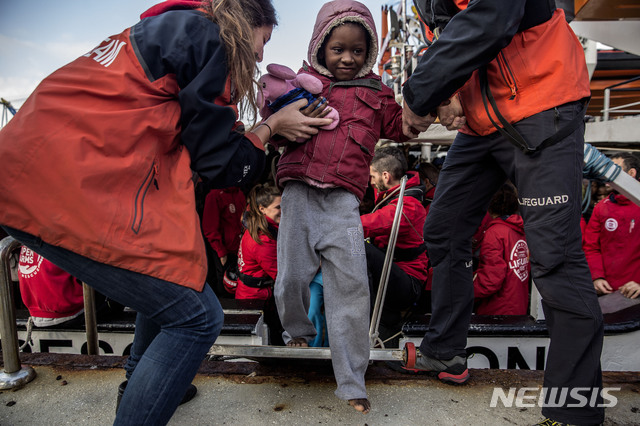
(222, 219)
(47, 291)
(501, 282)
(612, 241)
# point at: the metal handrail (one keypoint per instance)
(14, 375)
(607, 98)
(386, 270)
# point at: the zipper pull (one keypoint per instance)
(632, 225)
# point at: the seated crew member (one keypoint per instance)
(612, 238)
(501, 282)
(222, 228)
(53, 296)
(257, 260)
(409, 268)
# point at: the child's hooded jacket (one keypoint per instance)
(368, 111)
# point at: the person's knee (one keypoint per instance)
(209, 322)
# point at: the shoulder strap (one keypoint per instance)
(509, 132)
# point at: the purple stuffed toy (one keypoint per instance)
(281, 86)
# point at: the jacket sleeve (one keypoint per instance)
(392, 118)
(592, 243)
(492, 269)
(379, 223)
(211, 224)
(188, 45)
(472, 38)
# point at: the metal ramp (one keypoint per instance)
(375, 354)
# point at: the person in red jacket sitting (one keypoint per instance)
(612, 239)
(54, 297)
(257, 256)
(51, 295)
(408, 274)
(501, 282)
(258, 266)
(222, 228)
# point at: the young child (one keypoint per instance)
(324, 180)
(257, 261)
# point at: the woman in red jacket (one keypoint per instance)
(501, 282)
(257, 257)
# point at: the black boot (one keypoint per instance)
(188, 395)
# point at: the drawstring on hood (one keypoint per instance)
(333, 14)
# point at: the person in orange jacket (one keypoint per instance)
(511, 76)
(97, 175)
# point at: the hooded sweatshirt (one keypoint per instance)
(612, 241)
(501, 282)
(367, 109)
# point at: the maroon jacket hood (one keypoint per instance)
(334, 13)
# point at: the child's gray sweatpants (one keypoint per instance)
(323, 225)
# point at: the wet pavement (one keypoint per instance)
(81, 390)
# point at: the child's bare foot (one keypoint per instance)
(363, 405)
(298, 342)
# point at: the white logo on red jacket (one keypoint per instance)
(29, 264)
(519, 260)
(107, 52)
(611, 224)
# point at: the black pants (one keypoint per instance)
(403, 290)
(549, 185)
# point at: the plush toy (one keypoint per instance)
(281, 86)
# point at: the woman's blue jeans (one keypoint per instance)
(175, 328)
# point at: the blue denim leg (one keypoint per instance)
(189, 323)
(145, 331)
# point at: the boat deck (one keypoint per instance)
(81, 389)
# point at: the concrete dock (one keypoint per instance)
(81, 390)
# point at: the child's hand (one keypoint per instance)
(413, 124)
(451, 114)
(317, 109)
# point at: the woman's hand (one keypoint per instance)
(291, 123)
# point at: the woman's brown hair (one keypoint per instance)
(237, 19)
(255, 221)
